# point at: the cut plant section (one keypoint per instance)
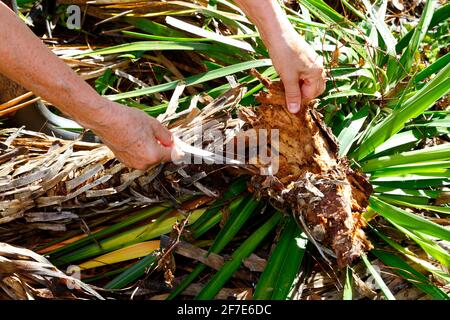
(325, 195)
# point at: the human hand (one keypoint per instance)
(137, 140)
(299, 67)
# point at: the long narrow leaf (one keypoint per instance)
(210, 290)
(396, 71)
(348, 285)
(376, 276)
(414, 106)
(409, 273)
(283, 264)
(200, 78)
(409, 220)
(230, 229)
(133, 273)
(152, 230)
(435, 153)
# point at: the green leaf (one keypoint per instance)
(153, 27)
(148, 46)
(409, 273)
(434, 122)
(351, 129)
(405, 140)
(97, 236)
(104, 82)
(146, 232)
(392, 200)
(440, 15)
(323, 11)
(427, 194)
(435, 153)
(348, 285)
(376, 276)
(412, 183)
(190, 28)
(378, 20)
(433, 68)
(133, 273)
(283, 265)
(200, 78)
(199, 230)
(432, 168)
(181, 39)
(413, 257)
(428, 245)
(397, 70)
(411, 108)
(236, 188)
(421, 199)
(409, 220)
(216, 283)
(234, 223)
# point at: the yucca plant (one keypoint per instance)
(385, 102)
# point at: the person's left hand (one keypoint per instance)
(299, 67)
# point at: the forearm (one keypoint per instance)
(268, 16)
(27, 61)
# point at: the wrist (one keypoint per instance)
(98, 114)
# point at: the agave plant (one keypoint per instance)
(385, 102)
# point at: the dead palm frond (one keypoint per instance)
(25, 275)
(48, 181)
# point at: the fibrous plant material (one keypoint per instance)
(25, 275)
(49, 183)
(322, 191)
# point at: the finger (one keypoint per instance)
(312, 88)
(321, 83)
(167, 153)
(314, 84)
(176, 154)
(309, 89)
(155, 152)
(293, 94)
(161, 133)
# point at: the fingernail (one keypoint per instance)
(294, 107)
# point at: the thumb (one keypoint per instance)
(293, 94)
(167, 154)
(161, 133)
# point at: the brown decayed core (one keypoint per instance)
(312, 182)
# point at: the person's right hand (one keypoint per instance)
(137, 140)
(299, 66)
